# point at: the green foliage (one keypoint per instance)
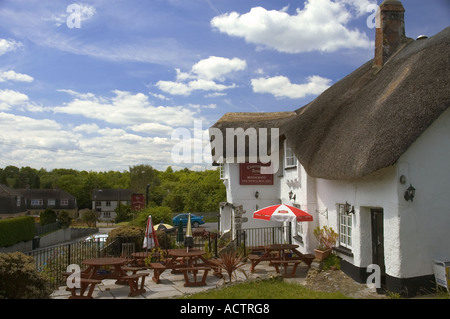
(90, 218)
(123, 213)
(326, 236)
(19, 278)
(15, 230)
(64, 219)
(332, 261)
(46, 217)
(159, 214)
(183, 190)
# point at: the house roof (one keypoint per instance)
(6, 191)
(112, 194)
(247, 120)
(45, 193)
(367, 120)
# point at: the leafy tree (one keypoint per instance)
(90, 218)
(46, 217)
(64, 219)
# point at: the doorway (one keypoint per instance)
(378, 242)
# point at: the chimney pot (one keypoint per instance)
(390, 32)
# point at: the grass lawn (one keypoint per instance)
(266, 289)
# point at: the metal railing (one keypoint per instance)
(255, 238)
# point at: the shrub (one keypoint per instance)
(326, 236)
(64, 219)
(15, 230)
(48, 216)
(19, 278)
(159, 214)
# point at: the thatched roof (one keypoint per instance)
(246, 120)
(367, 120)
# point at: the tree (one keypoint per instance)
(46, 217)
(90, 218)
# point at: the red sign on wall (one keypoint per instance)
(250, 174)
(137, 202)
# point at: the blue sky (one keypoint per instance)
(104, 85)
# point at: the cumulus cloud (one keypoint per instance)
(203, 76)
(281, 86)
(125, 108)
(14, 76)
(8, 45)
(9, 98)
(320, 26)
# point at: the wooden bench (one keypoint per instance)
(194, 270)
(285, 263)
(158, 269)
(84, 283)
(134, 270)
(133, 282)
(256, 259)
(216, 265)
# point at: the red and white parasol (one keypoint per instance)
(150, 239)
(282, 213)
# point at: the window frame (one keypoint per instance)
(345, 222)
(290, 161)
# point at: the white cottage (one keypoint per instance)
(365, 141)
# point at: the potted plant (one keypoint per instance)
(326, 236)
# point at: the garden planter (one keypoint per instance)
(322, 254)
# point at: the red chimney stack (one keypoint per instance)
(390, 31)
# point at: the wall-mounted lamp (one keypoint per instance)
(256, 194)
(410, 193)
(292, 196)
(348, 209)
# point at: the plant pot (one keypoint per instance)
(322, 254)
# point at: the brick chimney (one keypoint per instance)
(390, 31)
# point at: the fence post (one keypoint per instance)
(68, 254)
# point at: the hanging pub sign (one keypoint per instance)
(137, 202)
(250, 174)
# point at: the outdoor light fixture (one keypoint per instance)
(410, 193)
(349, 209)
(256, 194)
(292, 195)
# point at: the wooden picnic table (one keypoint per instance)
(119, 272)
(185, 261)
(281, 255)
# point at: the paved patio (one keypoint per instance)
(171, 285)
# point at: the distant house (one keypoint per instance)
(12, 203)
(18, 202)
(350, 156)
(38, 200)
(105, 201)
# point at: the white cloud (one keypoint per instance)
(203, 76)
(13, 76)
(125, 108)
(281, 86)
(320, 26)
(9, 98)
(8, 45)
(88, 128)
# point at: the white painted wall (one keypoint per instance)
(425, 222)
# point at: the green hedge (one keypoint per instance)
(15, 230)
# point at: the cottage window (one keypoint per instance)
(98, 203)
(345, 228)
(64, 202)
(106, 214)
(289, 156)
(108, 203)
(51, 202)
(37, 202)
(18, 201)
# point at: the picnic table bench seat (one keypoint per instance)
(217, 265)
(84, 283)
(133, 282)
(194, 270)
(286, 263)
